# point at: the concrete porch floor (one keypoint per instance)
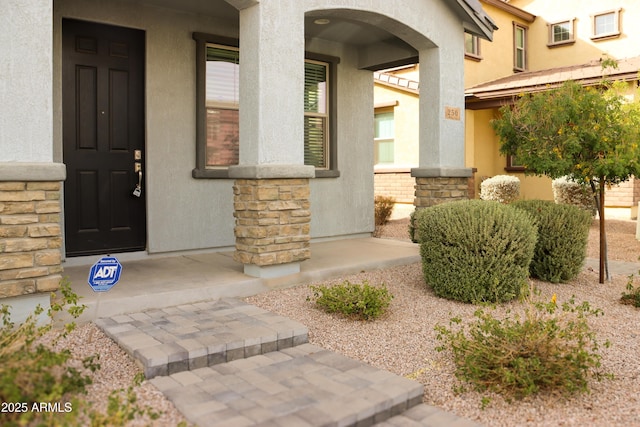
(158, 282)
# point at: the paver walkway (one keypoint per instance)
(228, 363)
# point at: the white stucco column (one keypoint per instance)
(30, 182)
(271, 189)
(441, 176)
(441, 135)
(271, 91)
(26, 97)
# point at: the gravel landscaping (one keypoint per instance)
(404, 342)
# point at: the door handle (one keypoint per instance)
(138, 190)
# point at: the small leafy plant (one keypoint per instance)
(123, 407)
(383, 209)
(31, 371)
(547, 349)
(632, 296)
(35, 373)
(361, 301)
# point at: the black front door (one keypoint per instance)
(103, 138)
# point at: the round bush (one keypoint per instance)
(563, 231)
(500, 188)
(573, 193)
(476, 251)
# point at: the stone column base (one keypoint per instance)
(30, 235)
(431, 191)
(272, 225)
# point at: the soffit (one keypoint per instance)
(344, 28)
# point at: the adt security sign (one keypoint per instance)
(104, 274)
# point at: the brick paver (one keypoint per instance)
(228, 363)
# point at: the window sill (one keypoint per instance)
(472, 57)
(515, 169)
(605, 36)
(561, 44)
(327, 173)
(223, 173)
(210, 173)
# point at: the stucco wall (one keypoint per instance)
(344, 205)
(25, 85)
(584, 49)
(182, 213)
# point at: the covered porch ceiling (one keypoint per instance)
(328, 26)
(378, 47)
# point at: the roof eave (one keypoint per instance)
(486, 99)
(478, 22)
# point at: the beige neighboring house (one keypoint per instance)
(538, 44)
(170, 126)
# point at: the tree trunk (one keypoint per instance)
(599, 199)
(604, 265)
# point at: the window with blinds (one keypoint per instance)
(316, 116)
(222, 102)
(222, 109)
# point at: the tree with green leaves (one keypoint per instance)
(591, 134)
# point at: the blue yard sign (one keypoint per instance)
(104, 274)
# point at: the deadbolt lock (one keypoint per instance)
(137, 155)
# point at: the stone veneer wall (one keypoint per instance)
(434, 191)
(30, 238)
(272, 221)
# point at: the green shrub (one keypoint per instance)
(475, 251)
(632, 296)
(34, 372)
(563, 232)
(361, 301)
(547, 349)
(383, 209)
(31, 371)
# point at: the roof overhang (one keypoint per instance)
(502, 91)
(474, 19)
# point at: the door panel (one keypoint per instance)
(103, 126)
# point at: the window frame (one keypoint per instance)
(377, 140)
(611, 34)
(571, 40)
(201, 170)
(517, 27)
(512, 164)
(475, 42)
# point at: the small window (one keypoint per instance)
(561, 33)
(471, 46)
(222, 103)
(316, 114)
(513, 165)
(384, 134)
(519, 47)
(606, 24)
